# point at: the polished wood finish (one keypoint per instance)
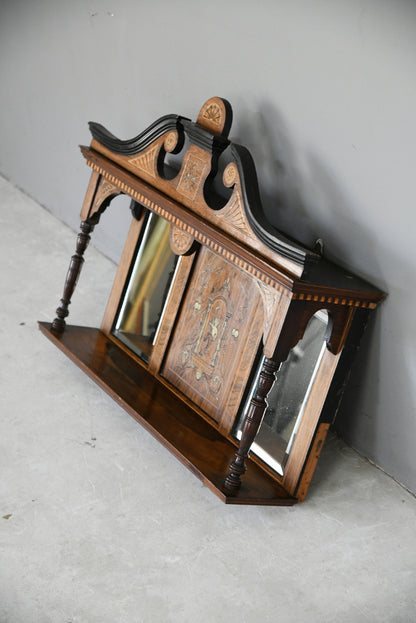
(240, 286)
(72, 276)
(216, 338)
(310, 464)
(183, 271)
(192, 185)
(251, 425)
(196, 443)
(309, 422)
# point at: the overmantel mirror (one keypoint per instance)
(228, 341)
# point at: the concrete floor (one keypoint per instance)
(100, 524)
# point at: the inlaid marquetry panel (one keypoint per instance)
(216, 337)
(192, 176)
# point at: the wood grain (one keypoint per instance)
(72, 276)
(185, 264)
(200, 447)
(309, 422)
(310, 464)
(216, 338)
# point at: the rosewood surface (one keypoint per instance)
(197, 444)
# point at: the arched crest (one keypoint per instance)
(200, 145)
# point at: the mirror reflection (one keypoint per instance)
(287, 399)
(148, 288)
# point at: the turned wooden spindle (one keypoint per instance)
(72, 276)
(251, 424)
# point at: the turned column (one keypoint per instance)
(251, 424)
(72, 276)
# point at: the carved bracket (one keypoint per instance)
(300, 313)
(181, 242)
(106, 191)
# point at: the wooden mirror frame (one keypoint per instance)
(265, 286)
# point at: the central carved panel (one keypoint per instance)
(191, 176)
(216, 337)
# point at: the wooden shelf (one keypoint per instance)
(197, 444)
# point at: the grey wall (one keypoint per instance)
(324, 94)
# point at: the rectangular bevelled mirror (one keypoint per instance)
(147, 290)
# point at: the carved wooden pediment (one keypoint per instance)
(194, 183)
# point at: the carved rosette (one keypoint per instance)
(212, 113)
(170, 142)
(215, 115)
(230, 175)
(180, 241)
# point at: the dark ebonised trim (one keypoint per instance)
(212, 143)
(256, 217)
(141, 141)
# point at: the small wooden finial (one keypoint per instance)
(216, 115)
